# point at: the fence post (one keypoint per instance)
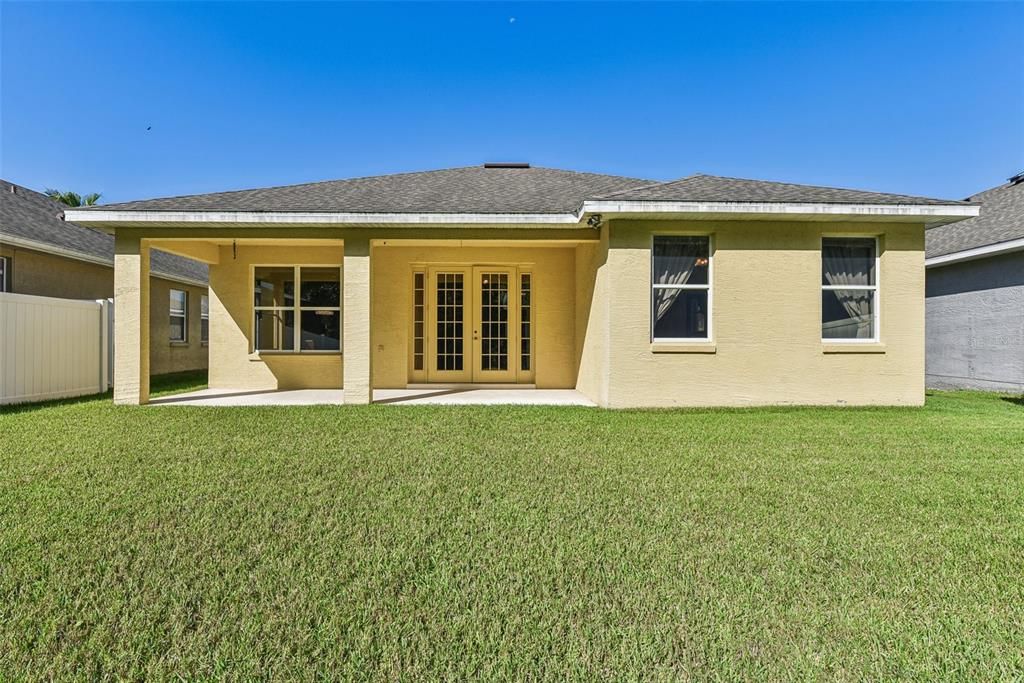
(110, 344)
(104, 341)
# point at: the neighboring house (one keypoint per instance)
(44, 255)
(975, 288)
(702, 291)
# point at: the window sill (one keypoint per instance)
(848, 347)
(206, 343)
(683, 347)
(179, 343)
(259, 355)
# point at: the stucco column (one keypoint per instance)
(357, 349)
(131, 320)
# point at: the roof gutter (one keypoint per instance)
(933, 214)
(975, 253)
(106, 217)
(930, 212)
(22, 243)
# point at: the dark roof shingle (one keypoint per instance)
(708, 188)
(1001, 220)
(471, 189)
(33, 216)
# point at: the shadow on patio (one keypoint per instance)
(440, 395)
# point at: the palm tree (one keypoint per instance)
(70, 198)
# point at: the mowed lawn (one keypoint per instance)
(392, 542)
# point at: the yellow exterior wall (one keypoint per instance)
(592, 321)
(164, 355)
(554, 288)
(232, 366)
(41, 274)
(766, 321)
(592, 317)
(131, 320)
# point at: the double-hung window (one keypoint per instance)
(204, 315)
(179, 315)
(5, 274)
(297, 308)
(849, 289)
(681, 288)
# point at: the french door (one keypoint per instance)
(476, 324)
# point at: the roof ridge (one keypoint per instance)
(36, 194)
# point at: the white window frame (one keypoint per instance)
(876, 302)
(297, 308)
(204, 316)
(5, 275)
(183, 315)
(653, 286)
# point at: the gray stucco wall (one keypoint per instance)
(975, 324)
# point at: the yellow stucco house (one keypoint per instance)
(697, 292)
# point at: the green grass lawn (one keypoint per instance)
(393, 542)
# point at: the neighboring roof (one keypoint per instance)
(27, 216)
(709, 188)
(472, 189)
(1001, 220)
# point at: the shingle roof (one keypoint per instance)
(471, 189)
(708, 188)
(508, 189)
(1001, 220)
(33, 216)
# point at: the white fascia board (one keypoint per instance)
(976, 253)
(318, 218)
(22, 243)
(178, 278)
(783, 208)
(933, 213)
(54, 250)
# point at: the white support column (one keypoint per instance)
(131, 320)
(357, 348)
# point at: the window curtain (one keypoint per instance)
(674, 263)
(847, 265)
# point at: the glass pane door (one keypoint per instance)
(449, 324)
(494, 325)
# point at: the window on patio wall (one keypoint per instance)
(179, 315)
(681, 288)
(204, 314)
(297, 309)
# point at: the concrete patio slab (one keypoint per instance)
(240, 397)
(445, 395)
(480, 396)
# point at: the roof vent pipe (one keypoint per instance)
(1017, 178)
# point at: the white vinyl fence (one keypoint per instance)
(54, 348)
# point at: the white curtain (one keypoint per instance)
(847, 265)
(674, 263)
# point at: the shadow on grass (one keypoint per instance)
(177, 382)
(159, 385)
(1016, 400)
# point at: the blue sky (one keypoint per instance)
(922, 98)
